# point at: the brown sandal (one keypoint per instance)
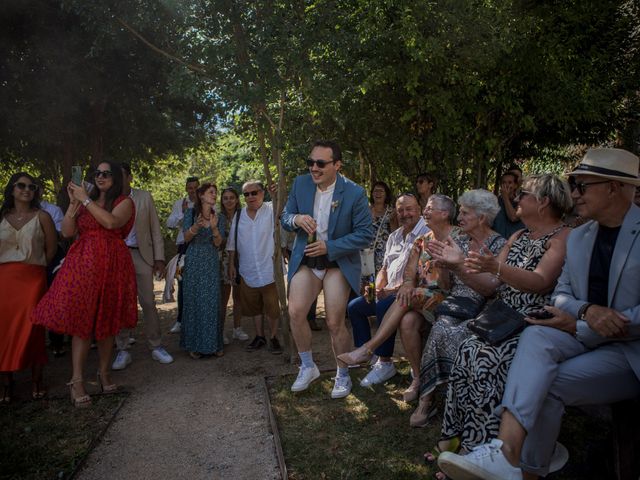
(82, 400)
(106, 389)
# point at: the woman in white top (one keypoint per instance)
(27, 245)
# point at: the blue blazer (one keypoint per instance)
(350, 225)
(572, 289)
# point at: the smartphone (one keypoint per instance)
(540, 314)
(76, 174)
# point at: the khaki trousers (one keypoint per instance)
(144, 280)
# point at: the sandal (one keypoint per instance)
(431, 457)
(106, 389)
(219, 354)
(38, 392)
(82, 400)
(424, 412)
(195, 355)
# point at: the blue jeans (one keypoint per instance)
(359, 311)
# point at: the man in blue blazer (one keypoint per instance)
(331, 218)
(588, 352)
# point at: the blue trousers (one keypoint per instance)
(359, 311)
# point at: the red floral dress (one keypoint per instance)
(94, 293)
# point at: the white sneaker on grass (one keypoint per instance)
(342, 387)
(176, 328)
(306, 375)
(486, 462)
(379, 373)
(239, 334)
(123, 358)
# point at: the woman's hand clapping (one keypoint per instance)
(483, 261)
(447, 253)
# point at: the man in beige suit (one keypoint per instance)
(146, 245)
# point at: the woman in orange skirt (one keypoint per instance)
(27, 245)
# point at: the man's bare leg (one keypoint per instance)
(336, 294)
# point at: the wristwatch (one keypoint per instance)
(582, 313)
(86, 202)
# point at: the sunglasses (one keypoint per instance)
(253, 193)
(523, 193)
(23, 186)
(103, 173)
(582, 186)
(318, 163)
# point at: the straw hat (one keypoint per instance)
(612, 163)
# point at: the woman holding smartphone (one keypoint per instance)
(94, 293)
(204, 231)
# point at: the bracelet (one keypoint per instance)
(192, 232)
(86, 202)
(499, 267)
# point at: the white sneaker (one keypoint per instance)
(486, 462)
(379, 373)
(122, 360)
(176, 328)
(132, 340)
(306, 375)
(239, 334)
(342, 387)
(225, 339)
(161, 355)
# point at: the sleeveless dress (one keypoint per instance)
(94, 293)
(201, 330)
(448, 332)
(479, 373)
(23, 281)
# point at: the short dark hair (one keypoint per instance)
(388, 198)
(429, 177)
(513, 167)
(508, 174)
(336, 153)
(192, 179)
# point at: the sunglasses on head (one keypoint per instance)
(582, 186)
(23, 186)
(252, 193)
(103, 173)
(318, 163)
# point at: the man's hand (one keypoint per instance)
(560, 320)
(316, 249)
(159, 269)
(306, 222)
(607, 322)
(405, 293)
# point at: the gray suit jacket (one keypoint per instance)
(624, 289)
(148, 233)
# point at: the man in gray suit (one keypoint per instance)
(588, 352)
(146, 245)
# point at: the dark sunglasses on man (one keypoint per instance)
(582, 186)
(318, 163)
(103, 173)
(252, 193)
(22, 186)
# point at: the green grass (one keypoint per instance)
(367, 434)
(47, 439)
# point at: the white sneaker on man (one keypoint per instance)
(342, 387)
(486, 462)
(379, 373)
(239, 334)
(159, 354)
(306, 375)
(122, 360)
(176, 328)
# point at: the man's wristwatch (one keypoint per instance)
(582, 313)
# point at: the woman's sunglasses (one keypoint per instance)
(103, 174)
(23, 186)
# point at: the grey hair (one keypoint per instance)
(552, 187)
(482, 202)
(446, 204)
(252, 182)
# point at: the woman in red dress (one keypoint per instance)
(94, 293)
(27, 244)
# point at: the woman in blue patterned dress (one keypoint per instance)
(385, 221)
(203, 231)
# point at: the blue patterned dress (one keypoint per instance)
(201, 330)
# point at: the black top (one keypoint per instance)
(600, 265)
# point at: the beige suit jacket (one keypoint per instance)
(148, 233)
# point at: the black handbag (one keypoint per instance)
(497, 323)
(462, 308)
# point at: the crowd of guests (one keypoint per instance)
(458, 279)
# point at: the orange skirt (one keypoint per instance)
(22, 344)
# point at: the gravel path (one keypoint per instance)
(195, 419)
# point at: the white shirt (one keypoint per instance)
(176, 217)
(255, 245)
(322, 210)
(398, 250)
(132, 238)
(55, 212)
